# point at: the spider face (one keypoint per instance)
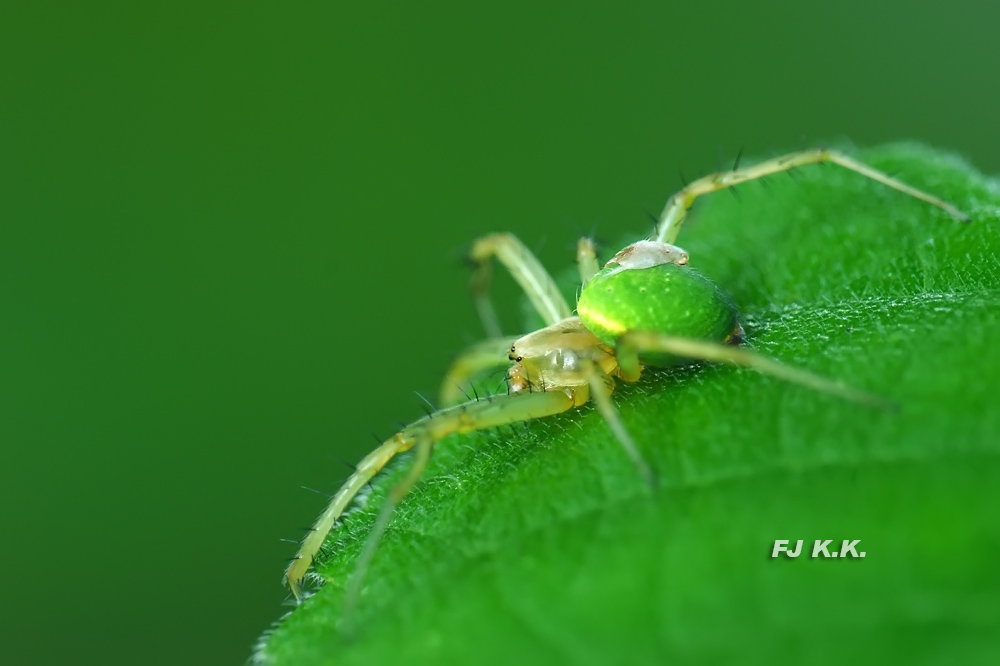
(557, 357)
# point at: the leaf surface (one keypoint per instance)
(540, 544)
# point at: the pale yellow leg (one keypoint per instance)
(492, 353)
(477, 359)
(678, 205)
(601, 386)
(586, 260)
(632, 344)
(392, 499)
(366, 469)
(489, 413)
(529, 273)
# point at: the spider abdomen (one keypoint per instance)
(667, 298)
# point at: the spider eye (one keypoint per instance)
(518, 359)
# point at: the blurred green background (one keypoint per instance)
(230, 240)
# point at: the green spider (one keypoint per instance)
(644, 308)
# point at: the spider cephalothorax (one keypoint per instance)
(557, 356)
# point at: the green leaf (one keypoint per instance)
(540, 544)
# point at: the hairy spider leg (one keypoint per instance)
(536, 283)
(480, 357)
(474, 415)
(424, 446)
(634, 343)
(678, 205)
(601, 386)
(586, 260)
(529, 273)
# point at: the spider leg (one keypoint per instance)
(678, 205)
(478, 358)
(529, 273)
(586, 260)
(392, 499)
(601, 385)
(492, 352)
(424, 433)
(634, 343)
